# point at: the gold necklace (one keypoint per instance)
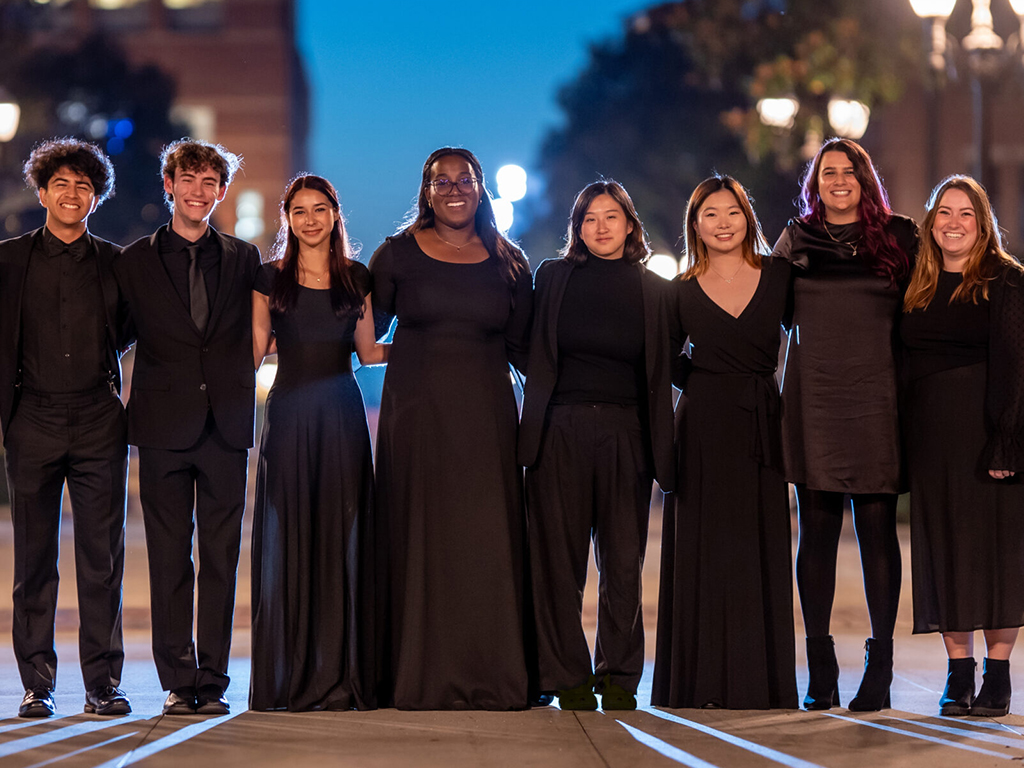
(323, 274)
(852, 245)
(473, 239)
(728, 280)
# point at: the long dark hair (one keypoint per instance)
(755, 247)
(986, 261)
(636, 249)
(345, 298)
(510, 258)
(881, 253)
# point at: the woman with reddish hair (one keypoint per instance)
(852, 257)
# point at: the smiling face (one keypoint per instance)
(838, 188)
(956, 228)
(605, 228)
(195, 193)
(457, 208)
(69, 198)
(311, 217)
(721, 224)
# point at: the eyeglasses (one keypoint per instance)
(445, 186)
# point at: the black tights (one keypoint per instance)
(821, 522)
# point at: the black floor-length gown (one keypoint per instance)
(450, 509)
(967, 528)
(725, 607)
(312, 551)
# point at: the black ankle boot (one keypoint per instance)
(956, 699)
(873, 693)
(993, 699)
(823, 686)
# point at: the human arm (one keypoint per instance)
(262, 331)
(1003, 454)
(517, 332)
(383, 279)
(368, 349)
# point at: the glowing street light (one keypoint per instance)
(10, 114)
(778, 113)
(848, 117)
(663, 264)
(503, 213)
(511, 180)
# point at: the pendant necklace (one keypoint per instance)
(852, 245)
(453, 245)
(310, 274)
(728, 280)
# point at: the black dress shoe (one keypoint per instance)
(38, 702)
(181, 701)
(107, 700)
(993, 700)
(210, 701)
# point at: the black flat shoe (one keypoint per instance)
(107, 700)
(210, 701)
(181, 701)
(956, 699)
(38, 702)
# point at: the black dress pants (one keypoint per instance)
(208, 478)
(80, 439)
(592, 480)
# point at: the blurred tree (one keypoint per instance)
(674, 100)
(86, 89)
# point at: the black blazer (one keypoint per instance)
(14, 257)
(661, 347)
(178, 369)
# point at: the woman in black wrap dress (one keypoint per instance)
(852, 257)
(725, 608)
(451, 524)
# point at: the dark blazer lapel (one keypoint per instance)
(21, 254)
(228, 266)
(651, 319)
(558, 283)
(108, 288)
(154, 273)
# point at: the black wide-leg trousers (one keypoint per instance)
(592, 480)
(209, 479)
(78, 439)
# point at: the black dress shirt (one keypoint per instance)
(174, 255)
(63, 325)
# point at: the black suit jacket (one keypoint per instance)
(178, 369)
(14, 257)
(661, 347)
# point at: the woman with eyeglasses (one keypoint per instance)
(449, 506)
(963, 325)
(312, 544)
(851, 259)
(596, 431)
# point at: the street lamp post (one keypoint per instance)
(985, 62)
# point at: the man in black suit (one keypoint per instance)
(62, 326)
(190, 412)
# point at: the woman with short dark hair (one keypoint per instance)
(596, 431)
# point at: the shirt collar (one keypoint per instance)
(54, 246)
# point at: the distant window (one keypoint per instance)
(195, 14)
(121, 14)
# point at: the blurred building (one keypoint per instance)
(239, 78)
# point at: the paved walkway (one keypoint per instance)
(908, 735)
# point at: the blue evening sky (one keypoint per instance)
(392, 81)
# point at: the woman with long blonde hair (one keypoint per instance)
(962, 325)
(725, 608)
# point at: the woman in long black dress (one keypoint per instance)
(596, 430)
(312, 567)
(725, 608)
(964, 329)
(852, 257)
(450, 515)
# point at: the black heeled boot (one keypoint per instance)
(823, 685)
(873, 693)
(993, 699)
(956, 699)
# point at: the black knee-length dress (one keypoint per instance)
(966, 416)
(725, 608)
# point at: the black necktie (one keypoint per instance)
(199, 304)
